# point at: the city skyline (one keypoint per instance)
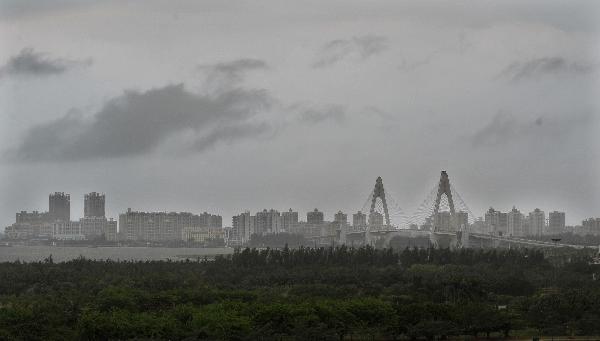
(299, 170)
(326, 214)
(443, 220)
(302, 105)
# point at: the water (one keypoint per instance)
(65, 253)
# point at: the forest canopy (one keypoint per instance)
(304, 293)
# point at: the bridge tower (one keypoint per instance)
(444, 188)
(379, 192)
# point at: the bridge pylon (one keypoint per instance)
(444, 188)
(379, 192)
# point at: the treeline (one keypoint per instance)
(277, 240)
(571, 238)
(303, 294)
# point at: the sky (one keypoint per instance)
(227, 106)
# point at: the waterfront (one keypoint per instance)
(66, 253)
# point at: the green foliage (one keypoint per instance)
(302, 294)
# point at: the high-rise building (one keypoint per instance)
(461, 220)
(537, 222)
(242, 228)
(442, 221)
(59, 206)
(375, 219)
(590, 226)
(341, 218)
(267, 222)
(496, 222)
(359, 219)
(289, 220)
(515, 223)
(556, 222)
(315, 217)
(93, 205)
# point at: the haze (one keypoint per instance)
(227, 106)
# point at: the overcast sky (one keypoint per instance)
(226, 106)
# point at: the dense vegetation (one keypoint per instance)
(304, 293)
(570, 238)
(278, 240)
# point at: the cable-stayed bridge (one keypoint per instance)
(443, 217)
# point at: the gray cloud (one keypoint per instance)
(315, 114)
(31, 63)
(232, 132)
(358, 48)
(226, 74)
(539, 67)
(502, 128)
(138, 122)
(505, 128)
(18, 8)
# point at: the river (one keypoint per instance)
(66, 253)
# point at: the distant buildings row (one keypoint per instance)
(56, 224)
(244, 225)
(512, 223)
(171, 226)
(134, 226)
(516, 224)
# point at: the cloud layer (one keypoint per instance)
(540, 67)
(31, 63)
(505, 128)
(138, 122)
(314, 114)
(226, 74)
(356, 48)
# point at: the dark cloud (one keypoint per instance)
(359, 48)
(314, 114)
(31, 63)
(506, 128)
(19, 8)
(232, 132)
(138, 122)
(226, 74)
(539, 67)
(502, 128)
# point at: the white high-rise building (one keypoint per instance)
(268, 222)
(242, 228)
(515, 223)
(289, 220)
(359, 219)
(537, 222)
(556, 222)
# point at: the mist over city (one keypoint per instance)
(232, 142)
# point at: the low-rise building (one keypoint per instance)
(161, 226)
(201, 234)
(67, 230)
